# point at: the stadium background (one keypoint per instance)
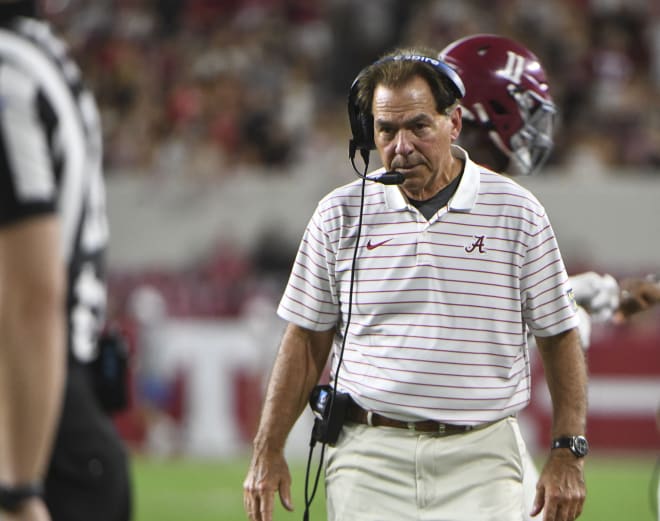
(225, 122)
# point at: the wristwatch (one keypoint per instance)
(578, 444)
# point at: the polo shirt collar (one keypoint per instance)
(466, 194)
(463, 200)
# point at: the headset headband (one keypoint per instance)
(445, 70)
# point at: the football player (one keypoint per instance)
(508, 122)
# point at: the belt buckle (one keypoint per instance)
(412, 426)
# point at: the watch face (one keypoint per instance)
(580, 446)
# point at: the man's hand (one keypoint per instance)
(268, 472)
(561, 490)
(298, 366)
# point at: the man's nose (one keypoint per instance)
(403, 144)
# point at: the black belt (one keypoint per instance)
(357, 414)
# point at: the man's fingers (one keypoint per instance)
(570, 512)
(552, 507)
(251, 507)
(550, 511)
(539, 501)
(285, 496)
(573, 507)
(556, 509)
(257, 502)
(578, 510)
(266, 506)
(266, 476)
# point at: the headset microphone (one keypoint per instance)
(388, 178)
(391, 177)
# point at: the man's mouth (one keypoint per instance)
(403, 168)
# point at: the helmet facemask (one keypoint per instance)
(530, 147)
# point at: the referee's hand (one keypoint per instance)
(268, 473)
(560, 491)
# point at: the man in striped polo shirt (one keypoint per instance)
(53, 237)
(423, 293)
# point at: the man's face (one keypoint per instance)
(412, 137)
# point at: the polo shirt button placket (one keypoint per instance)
(424, 257)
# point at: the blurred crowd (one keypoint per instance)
(204, 88)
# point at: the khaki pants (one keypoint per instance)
(390, 474)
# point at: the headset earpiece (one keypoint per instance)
(362, 124)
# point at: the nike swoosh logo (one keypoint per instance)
(371, 246)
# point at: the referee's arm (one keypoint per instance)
(32, 346)
(32, 291)
(561, 488)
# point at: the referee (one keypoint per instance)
(53, 236)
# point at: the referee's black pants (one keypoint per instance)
(88, 478)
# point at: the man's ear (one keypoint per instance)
(456, 118)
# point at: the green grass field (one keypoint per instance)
(184, 489)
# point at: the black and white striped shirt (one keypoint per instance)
(440, 307)
(51, 161)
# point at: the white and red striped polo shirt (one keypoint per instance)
(440, 307)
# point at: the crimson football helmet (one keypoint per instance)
(506, 97)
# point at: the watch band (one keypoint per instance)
(12, 497)
(565, 442)
(578, 445)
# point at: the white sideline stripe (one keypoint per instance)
(615, 396)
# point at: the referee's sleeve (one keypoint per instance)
(27, 183)
(309, 300)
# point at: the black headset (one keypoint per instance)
(362, 124)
